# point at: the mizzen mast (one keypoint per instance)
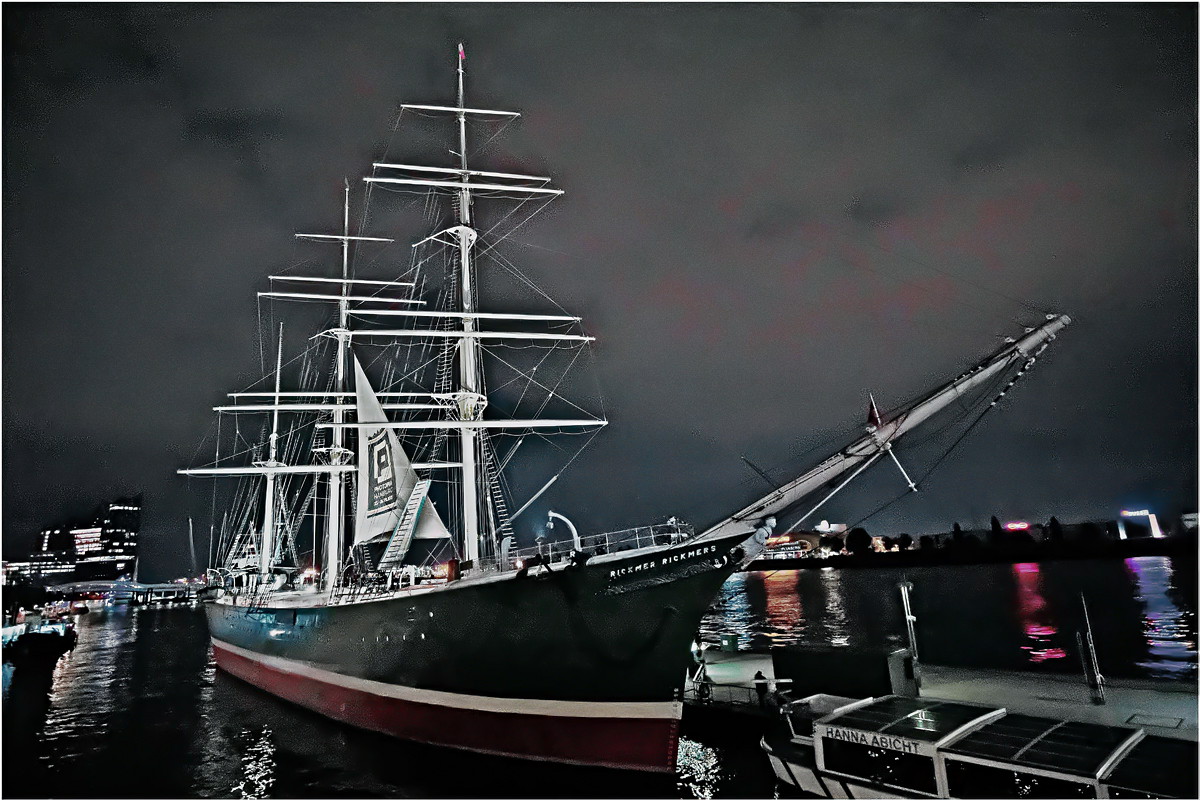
(266, 548)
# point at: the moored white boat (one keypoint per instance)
(897, 746)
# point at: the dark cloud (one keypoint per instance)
(770, 210)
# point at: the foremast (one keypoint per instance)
(469, 394)
(468, 398)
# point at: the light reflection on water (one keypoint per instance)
(138, 709)
(836, 622)
(1169, 629)
(258, 767)
(768, 609)
(699, 768)
(148, 715)
(1007, 616)
(1036, 619)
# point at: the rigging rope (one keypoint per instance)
(994, 402)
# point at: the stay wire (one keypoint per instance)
(982, 414)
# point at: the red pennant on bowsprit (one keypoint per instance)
(873, 416)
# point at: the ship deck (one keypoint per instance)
(308, 599)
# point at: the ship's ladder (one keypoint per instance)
(405, 526)
(503, 523)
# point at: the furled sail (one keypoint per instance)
(386, 480)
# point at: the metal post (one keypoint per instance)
(1091, 666)
(909, 626)
(191, 549)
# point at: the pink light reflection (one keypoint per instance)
(1035, 619)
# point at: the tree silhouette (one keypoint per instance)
(927, 543)
(859, 541)
(906, 541)
(995, 536)
(1055, 530)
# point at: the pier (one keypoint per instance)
(1161, 707)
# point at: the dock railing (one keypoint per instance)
(721, 694)
(733, 696)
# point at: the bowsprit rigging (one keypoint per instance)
(420, 616)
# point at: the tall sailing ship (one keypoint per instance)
(419, 615)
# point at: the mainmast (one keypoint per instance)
(338, 454)
(469, 399)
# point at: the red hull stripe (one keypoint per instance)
(503, 705)
(593, 739)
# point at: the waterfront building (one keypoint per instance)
(102, 548)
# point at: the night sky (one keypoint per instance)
(769, 212)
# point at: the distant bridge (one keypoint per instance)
(134, 590)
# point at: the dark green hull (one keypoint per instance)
(522, 651)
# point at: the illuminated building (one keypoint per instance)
(104, 548)
(1155, 531)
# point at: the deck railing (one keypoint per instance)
(597, 544)
(353, 589)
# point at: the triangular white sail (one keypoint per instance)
(386, 478)
(429, 523)
(385, 475)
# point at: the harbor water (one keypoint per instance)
(995, 616)
(138, 709)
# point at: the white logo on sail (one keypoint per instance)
(381, 481)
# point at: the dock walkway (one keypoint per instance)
(1162, 708)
